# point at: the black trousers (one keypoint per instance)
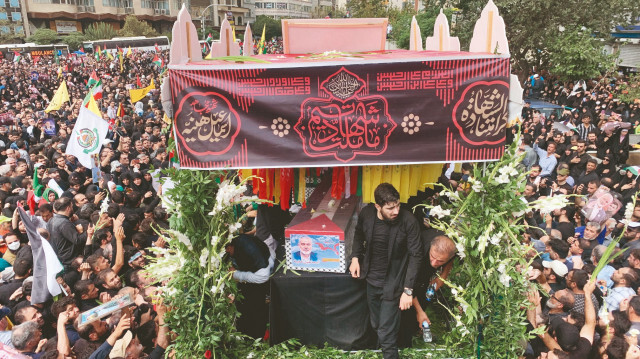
(385, 320)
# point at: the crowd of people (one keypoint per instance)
(582, 151)
(100, 226)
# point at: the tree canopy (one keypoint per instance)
(134, 27)
(543, 34)
(535, 28)
(272, 27)
(44, 37)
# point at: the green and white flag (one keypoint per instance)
(87, 137)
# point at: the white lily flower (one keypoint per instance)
(204, 258)
(550, 204)
(460, 248)
(501, 268)
(439, 212)
(505, 279)
(503, 179)
(628, 211)
(477, 186)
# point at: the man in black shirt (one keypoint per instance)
(389, 262)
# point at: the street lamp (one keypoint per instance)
(202, 20)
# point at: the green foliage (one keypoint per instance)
(533, 25)
(574, 54)
(44, 37)
(74, 40)
(426, 20)
(368, 8)
(486, 280)
(134, 27)
(630, 91)
(198, 283)
(100, 31)
(208, 30)
(273, 28)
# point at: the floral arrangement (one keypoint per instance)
(196, 282)
(489, 277)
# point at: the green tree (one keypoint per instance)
(208, 30)
(533, 26)
(574, 54)
(134, 27)
(629, 91)
(402, 25)
(74, 40)
(44, 37)
(273, 28)
(100, 31)
(368, 8)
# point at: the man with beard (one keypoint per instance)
(623, 281)
(389, 262)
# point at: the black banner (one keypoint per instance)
(303, 114)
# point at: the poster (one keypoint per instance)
(323, 253)
(49, 125)
(379, 108)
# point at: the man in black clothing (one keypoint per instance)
(67, 240)
(22, 269)
(389, 261)
(252, 263)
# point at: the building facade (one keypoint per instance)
(296, 9)
(67, 16)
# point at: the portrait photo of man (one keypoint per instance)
(305, 254)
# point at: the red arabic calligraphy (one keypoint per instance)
(346, 127)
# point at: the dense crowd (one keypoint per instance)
(582, 151)
(99, 224)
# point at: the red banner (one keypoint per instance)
(361, 109)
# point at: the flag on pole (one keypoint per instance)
(120, 111)
(121, 58)
(61, 95)
(88, 135)
(93, 79)
(261, 43)
(138, 83)
(34, 196)
(138, 94)
(157, 61)
(209, 38)
(129, 52)
(96, 91)
(17, 57)
(98, 53)
(157, 48)
(93, 106)
(46, 264)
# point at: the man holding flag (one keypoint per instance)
(46, 264)
(88, 136)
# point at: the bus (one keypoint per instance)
(7, 51)
(139, 42)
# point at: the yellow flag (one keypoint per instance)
(129, 51)
(93, 106)
(233, 30)
(261, 43)
(109, 56)
(138, 94)
(166, 119)
(62, 95)
(121, 58)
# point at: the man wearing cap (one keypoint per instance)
(631, 238)
(554, 272)
(623, 279)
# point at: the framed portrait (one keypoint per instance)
(315, 252)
